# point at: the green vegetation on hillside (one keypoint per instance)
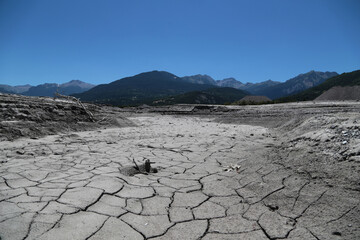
(208, 96)
(345, 79)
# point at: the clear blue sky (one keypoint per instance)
(99, 41)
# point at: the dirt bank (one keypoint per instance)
(33, 117)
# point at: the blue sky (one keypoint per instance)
(99, 41)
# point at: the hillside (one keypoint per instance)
(139, 89)
(209, 96)
(345, 79)
(296, 84)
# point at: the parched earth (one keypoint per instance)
(259, 172)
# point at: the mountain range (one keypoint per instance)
(160, 87)
(269, 88)
(48, 89)
(253, 88)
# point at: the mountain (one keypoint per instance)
(296, 84)
(253, 88)
(230, 82)
(343, 80)
(199, 79)
(14, 89)
(77, 84)
(256, 88)
(139, 89)
(48, 89)
(216, 95)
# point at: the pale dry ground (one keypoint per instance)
(70, 186)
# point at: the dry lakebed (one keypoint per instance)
(285, 171)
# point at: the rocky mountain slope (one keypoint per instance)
(199, 79)
(230, 82)
(296, 84)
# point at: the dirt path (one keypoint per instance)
(214, 181)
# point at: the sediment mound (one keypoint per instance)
(254, 99)
(340, 94)
(22, 116)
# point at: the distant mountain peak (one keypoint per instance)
(199, 79)
(155, 74)
(229, 79)
(269, 81)
(77, 83)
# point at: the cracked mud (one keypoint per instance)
(288, 185)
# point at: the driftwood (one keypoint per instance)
(144, 168)
(91, 116)
(136, 166)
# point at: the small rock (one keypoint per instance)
(336, 233)
(21, 152)
(272, 207)
(231, 168)
(344, 142)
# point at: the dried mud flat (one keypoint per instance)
(253, 172)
